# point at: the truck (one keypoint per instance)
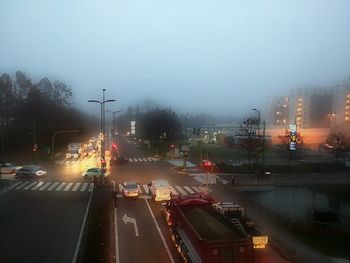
(237, 215)
(202, 235)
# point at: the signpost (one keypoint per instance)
(132, 127)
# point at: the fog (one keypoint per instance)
(220, 57)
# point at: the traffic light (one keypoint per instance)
(114, 146)
(172, 146)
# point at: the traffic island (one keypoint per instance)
(97, 241)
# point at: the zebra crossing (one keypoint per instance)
(142, 159)
(52, 186)
(176, 190)
(130, 159)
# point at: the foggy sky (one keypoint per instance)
(219, 57)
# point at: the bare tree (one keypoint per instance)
(249, 138)
(337, 143)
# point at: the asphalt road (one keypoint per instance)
(41, 219)
(148, 245)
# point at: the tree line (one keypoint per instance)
(31, 112)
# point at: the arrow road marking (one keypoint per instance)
(127, 219)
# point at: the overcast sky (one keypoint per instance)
(209, 56)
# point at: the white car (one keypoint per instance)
(8, 168)
(91, 172)
(130, 189)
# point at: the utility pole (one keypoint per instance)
(34, 142)
(263, 144)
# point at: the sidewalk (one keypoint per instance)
(281, 240)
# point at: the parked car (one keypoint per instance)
(118, 160)
(8, 168)
(130, 189)
(30, 171)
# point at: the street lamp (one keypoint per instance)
(102, 103)
(114, 120)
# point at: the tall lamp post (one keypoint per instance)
(114, 119)
(102, 103)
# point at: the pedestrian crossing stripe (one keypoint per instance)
(131, 159)
(51, 186)
(183, 190)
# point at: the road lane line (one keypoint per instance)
(189, 189)
(173, 191)
(146, 188)
(160, 233)
(75, 256)
(149, 159)
(14, 185)
(180, 190)
(140, 159)
(52, 186)
(91, 188)
(83, 188)
(59, 188)
(37, 186)
(197, 189)
(29, 186)
(144, 159)
(135, 159)
(131, 160)
(45, 186)
(117, 260)
(75, 188)
(21, 186)
(69, 185)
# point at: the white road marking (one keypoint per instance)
(160, 233)
(59, 188)
(117, 260)
(131, 160)
(135, 159)
(76, 187)
(189, 189)
(52, 186)
(197, 189)
(180, 190)
(146, 188)
(21, 185)
(140, 191)
(69, 185)
(91, 188)
(120, 188)
(145, 160)
(37, 186)
(140, 159)
(44, 186)
(29, 186)
(83, 188)
(173, 191)
(75, 256)
(14, 185)
(127, 219)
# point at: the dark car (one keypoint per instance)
(118, 160)
(30, 171)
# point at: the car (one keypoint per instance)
(118, 160)
(72, 154)
(8, 168)
(160, 190)
(30, 171)
(130, 189)
(91, 172)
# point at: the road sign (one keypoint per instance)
(293, 137)
(185, 148)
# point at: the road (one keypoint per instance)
(40, 220)
(153, 242)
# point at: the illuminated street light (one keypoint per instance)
(102, 103)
